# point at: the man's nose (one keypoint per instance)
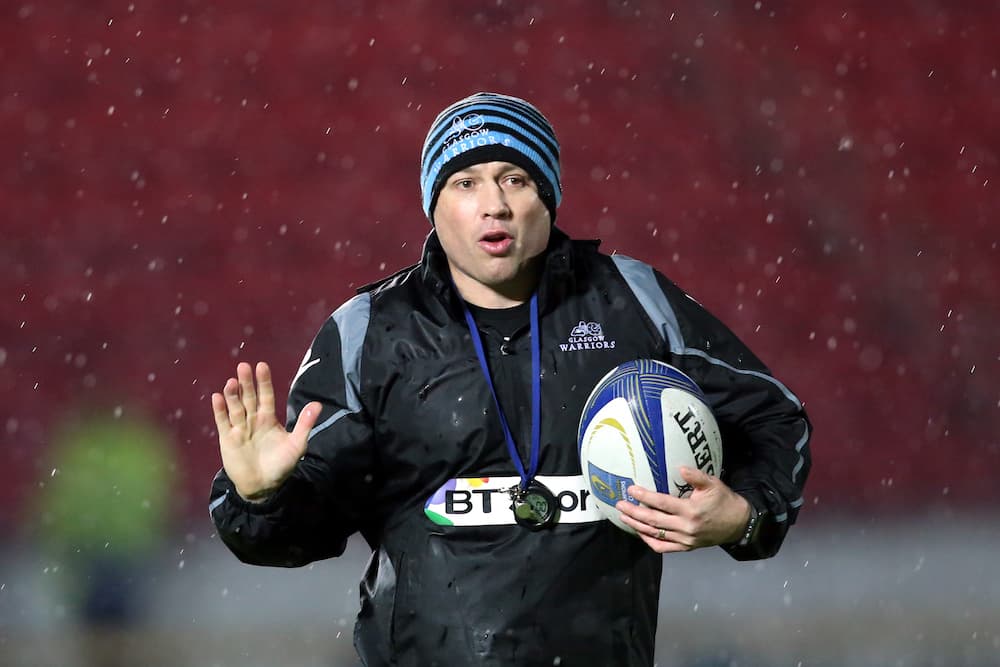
(495, 201)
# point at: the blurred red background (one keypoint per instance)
(186, 185)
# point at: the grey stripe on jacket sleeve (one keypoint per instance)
(352, 324)
(642, 282)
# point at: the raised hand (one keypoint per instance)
(257, 452)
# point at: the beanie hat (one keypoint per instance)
(487, 127)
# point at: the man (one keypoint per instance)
(430, 402)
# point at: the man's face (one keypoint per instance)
(493, 226)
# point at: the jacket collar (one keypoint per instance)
(557, 280)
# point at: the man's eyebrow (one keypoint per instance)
(470, 172)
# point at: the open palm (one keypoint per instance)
(258, 454)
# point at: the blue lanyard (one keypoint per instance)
(536, 392)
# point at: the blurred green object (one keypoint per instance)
(103, 505)
(108, 490)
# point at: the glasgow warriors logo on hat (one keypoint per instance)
(487, 127)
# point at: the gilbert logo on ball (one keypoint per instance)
(642, 422)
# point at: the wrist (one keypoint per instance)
(255, 497)
(742, 517)
(752, 527)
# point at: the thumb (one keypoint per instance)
(306, 420)
(695, 477)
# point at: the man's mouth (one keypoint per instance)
(495, 242)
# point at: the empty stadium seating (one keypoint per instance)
(186, 186)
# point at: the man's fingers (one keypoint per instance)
(222, 423)
(695, 477)
(660, 539)
(657, 511)
(231, 393)
(265, 389)
(646, 515)
(306, 421)
(663, 547)
(661, 501)
(655, 533)
(247, 390)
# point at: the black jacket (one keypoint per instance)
(408, 450)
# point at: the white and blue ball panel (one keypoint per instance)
(641, 383)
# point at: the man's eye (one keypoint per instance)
(516, 180)
(463, 184)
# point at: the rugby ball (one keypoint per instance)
(642, 422)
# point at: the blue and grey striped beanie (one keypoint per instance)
(488, 127)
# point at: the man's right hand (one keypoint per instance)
(258, 454)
